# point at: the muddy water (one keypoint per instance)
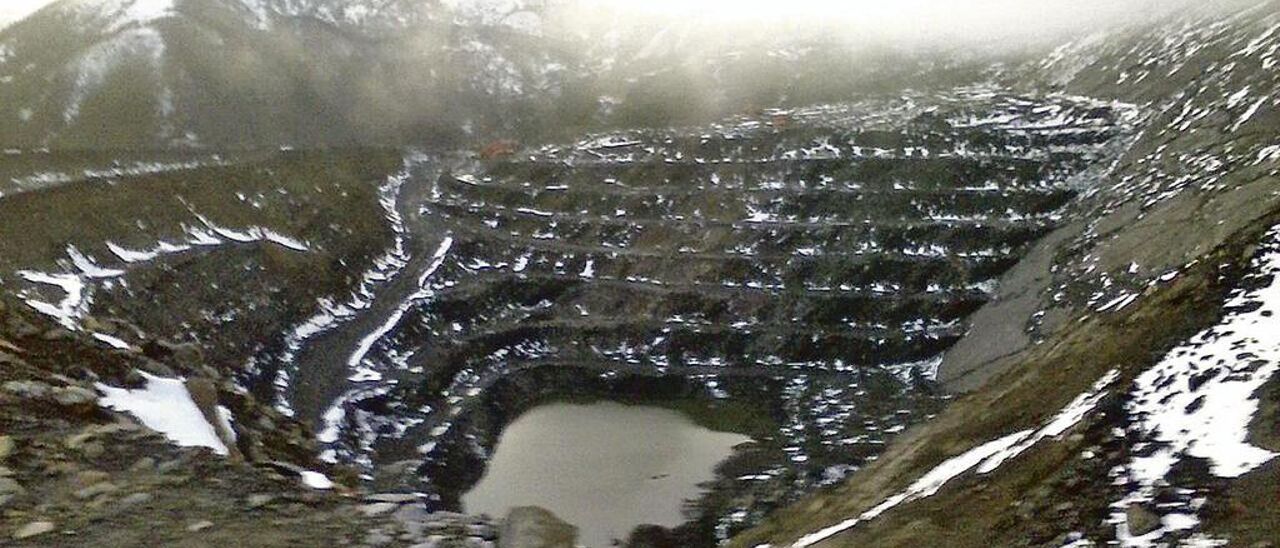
(604, 467)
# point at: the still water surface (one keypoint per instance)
(604, 467)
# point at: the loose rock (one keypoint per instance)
(34, 390)
(10, 487)
(260, 500)
(398, 498)
(34, 529)
(143, 464)
(534, 527)
(96, 489)
(1141, 520)
(75, 396)
(89, 478)
(135, 499)
(378, 508)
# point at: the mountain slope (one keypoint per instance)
(146, 73)
(1161, 284)
(245, 73)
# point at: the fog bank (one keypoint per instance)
(904, 23)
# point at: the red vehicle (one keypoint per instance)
(499, 149)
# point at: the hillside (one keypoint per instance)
(1162, 286)
(151, 74)
(187, 73)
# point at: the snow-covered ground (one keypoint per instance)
(1200, 400)
(165, 406)
(82, 271)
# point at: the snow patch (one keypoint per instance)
(165, 406)
(316, 480)
(71, 308)
(114, 342)
(1200, 399)
(1225, 365)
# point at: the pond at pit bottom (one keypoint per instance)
(604, 467)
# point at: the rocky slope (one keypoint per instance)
(121, 336)
(1161, 286)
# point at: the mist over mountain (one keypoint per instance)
(152, 73)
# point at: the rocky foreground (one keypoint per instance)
(73, 473)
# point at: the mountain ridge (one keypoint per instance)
(235, 73)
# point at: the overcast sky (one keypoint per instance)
(13, 10)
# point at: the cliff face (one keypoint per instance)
(1118, 388)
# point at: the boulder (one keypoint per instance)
(534, 527)
(204, 393)
(1141, 520)
(34, 529)
(378, 508)
(188, 355)
(32, 390)
(75, 396)
(10, 487)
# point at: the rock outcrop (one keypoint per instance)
(534, 527)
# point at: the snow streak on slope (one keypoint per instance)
(46, 179)
(165, 406)
(983, 459)
(1199, 400)
(334, 416)
(331, 314)
(104, 59)
(115, 15)
(76, 284)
